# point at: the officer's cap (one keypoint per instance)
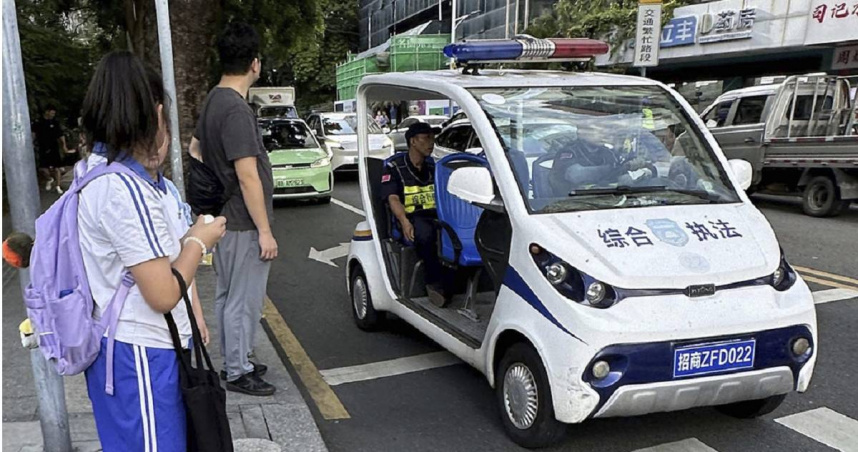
(417, 129)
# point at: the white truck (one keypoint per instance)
(800, 137)
(273, 102)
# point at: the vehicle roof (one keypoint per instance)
(753, 90)
(505, 78)
(335, 115)
(425, 117)
(282, 119)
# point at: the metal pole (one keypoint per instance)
(165, 45)
(851, 121)
(506, 29)
(440, 16)
(526, 14)
(23, 191)
(643, 71)
(515, 27)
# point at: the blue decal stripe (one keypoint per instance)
(148, 217)
(515, 283)
(362, 239)
(139, 214)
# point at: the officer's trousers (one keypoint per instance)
(426, 242)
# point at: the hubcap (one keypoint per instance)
(521, 397)
(359, 298)
(818, 196)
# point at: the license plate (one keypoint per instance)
(713, 358)
(281, 183)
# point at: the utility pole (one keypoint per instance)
(23, 188)
(165, 45)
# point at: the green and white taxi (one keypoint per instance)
(302, 168)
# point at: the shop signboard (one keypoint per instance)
(727, 25)
(845, 58)
(648, 33)
(680, 31)
(832, 21)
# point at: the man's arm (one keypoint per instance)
(398, 211)
(194, 149)
(254, 199)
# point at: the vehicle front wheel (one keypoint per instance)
(750, 409)
(821, 198)
(524, 399)
(324, 200)
(366, 317)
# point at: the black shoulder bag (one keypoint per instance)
(206, 193)
(205, 399)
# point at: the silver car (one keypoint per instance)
(397, 135)
(338, 134)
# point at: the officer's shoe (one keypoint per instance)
(251, 384)
(437, 296)
(258, 369)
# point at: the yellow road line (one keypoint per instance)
(826, 282)
(827, 275)
(329, 404)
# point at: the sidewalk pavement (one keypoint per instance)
(259, 424)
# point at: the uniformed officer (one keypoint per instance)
(408, 186)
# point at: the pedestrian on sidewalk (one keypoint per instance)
(49, 138)
(133, 223)
(227, 138)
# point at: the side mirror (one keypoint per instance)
(474, 185)
(743, 171)
(711, 124)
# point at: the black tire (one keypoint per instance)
(821, 198)
(544, 429)
(750, 409)
(368, 319)
(323, 200)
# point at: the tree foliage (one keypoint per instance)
(614, 21)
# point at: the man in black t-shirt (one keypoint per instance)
(51, 147)
(227, 140)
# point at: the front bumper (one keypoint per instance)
(642, 381)
(347, 160)
(301, 183)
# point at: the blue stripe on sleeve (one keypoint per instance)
(140, 215)
(148, 216)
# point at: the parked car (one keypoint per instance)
(301, 167)
(338, 134)
(397, 135)
(800, 136)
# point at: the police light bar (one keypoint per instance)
(525, 49)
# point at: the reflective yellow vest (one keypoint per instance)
(419, 197)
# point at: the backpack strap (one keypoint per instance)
(105, 168)
(111, 320)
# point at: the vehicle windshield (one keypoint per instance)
(585, 148)
(278, 112)
(285, 135)
(347, 125)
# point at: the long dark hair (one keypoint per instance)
(120, 109)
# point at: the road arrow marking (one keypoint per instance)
(327, 256)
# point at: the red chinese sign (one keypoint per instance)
(832, 21)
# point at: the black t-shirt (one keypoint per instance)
(399, 172)
(227, 131)
(48, 132)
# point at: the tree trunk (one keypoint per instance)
(194, 24)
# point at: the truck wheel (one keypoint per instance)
(366, 317)
(821, 198)
(750, 409)
(524, 399)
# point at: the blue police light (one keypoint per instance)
(525, 48)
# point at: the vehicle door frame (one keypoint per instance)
(502, 173)
(745, 141)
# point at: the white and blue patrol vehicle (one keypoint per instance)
(610, 261)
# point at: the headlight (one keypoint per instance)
(572, 283)
(784, 276)
(324, 161)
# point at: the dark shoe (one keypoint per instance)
(437, 296)
(251, 384)
(258, 369)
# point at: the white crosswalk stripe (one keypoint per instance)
(390, 368)
(686, 445)
(826, 426)
(827, 296)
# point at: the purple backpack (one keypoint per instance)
(59, 301)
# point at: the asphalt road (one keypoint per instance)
(452, 408)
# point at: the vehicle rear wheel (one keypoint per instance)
(821, 198)
(366, 317)
(524, 399)
(750, 409)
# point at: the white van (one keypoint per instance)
(620, 270)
